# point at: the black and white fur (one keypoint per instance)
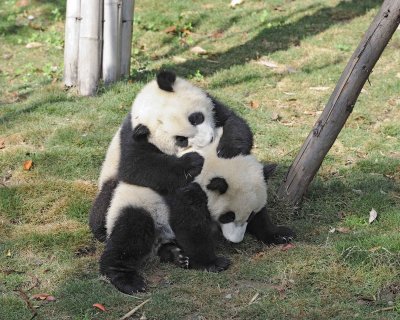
(236, 191)
(168, 115)
(140, 221)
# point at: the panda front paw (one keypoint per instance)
(282, 235)
(220, 264)
(193, 163)
(127, 282)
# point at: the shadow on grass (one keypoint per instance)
(280, 37)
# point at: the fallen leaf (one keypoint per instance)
(287, 246)
(258, 255)
(372, 215)
(267, 63)
(235, 3)
(100, 306)
(28, 165)
(43, 297)
(374, 249)
(217, 34)
(178, 59)
(275, 116)
(2, 144)
(198, 50)
(228, 296)
(22, 3)
(254, 104)
(8, 253)
(32, 45)
(171, 29)
(343, 230)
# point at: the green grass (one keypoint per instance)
(45, 242)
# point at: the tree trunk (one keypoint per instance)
(126, 36)
(71, 44)
(89, 61)
(340, 104)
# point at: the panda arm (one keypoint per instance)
(262, 228)
(145, 165)
(237, 137)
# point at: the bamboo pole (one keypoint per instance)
(126, 36)
(71, 44)
(112, 40)
(340, 104)
(89, 61)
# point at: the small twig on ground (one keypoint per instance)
(383, 309)
(134, 310)
(25, 297)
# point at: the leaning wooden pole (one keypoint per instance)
(340, 104)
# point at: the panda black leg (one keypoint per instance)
(191, 224)
(131, 240)
(170, 252)
(265, 230)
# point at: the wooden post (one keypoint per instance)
(112, 40)
(89, 61)
(340, 104)
(71, 44)
(126, 36)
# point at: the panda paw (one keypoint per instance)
(193, 163)
(127, 282)
(180, 259)
(283, 235)
(220, 264)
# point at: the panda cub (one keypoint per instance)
(140, 221)
(236, 190)
(168, 115)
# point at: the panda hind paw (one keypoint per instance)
(220, 264)
(127, 282)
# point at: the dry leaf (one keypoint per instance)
(28, 165)
(267, 63)
(8, 253)
(254, 298)
(234, 3)
(43, 297)
(171, 29)
(372, 215)
(343, 230)
(100, 306)
(287, 246)
(32, 45)
(178, 59)
(217, 34)
(198, 50)
(254, 104)
(2, 144)
(258, 255)
(374, 249)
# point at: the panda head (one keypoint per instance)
(236, 189)
(177, 114)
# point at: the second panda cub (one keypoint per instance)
(236, 190)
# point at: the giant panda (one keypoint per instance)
(168, 115)
(236, 190)
(140, 221)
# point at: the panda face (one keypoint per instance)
(178, 114)
(236, 189)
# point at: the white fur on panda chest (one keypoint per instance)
(127, 195)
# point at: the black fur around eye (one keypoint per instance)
(181, 141)
(227, 217)
(196, 118)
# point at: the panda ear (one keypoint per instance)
(165, 80)
(269, 170)
(193, 194)
(140, 132)
(218, 184)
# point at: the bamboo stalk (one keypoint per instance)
(340, 104)
(126, 36)
(89, 61)
(71, 44)
(112, 40)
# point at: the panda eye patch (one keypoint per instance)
(181, 141)
(227, 217)
(196, 118)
